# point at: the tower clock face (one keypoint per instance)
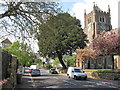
(102, 26)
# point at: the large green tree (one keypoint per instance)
(23, 53)
(61, 34)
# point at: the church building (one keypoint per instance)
(96, 21)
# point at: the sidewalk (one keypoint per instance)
(26, 82)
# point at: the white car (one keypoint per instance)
(76, 73)
(26, 70)
(35, 72)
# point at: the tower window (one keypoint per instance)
(89, 20)
(102, 19)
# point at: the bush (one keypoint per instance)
(48, 66)
(107, 74)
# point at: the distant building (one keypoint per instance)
(96, 21)
(6, 43)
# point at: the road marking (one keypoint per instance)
(69, 82)
(56, 78)
(66, 81)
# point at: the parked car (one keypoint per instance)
(35, 72)
(30, 70)
(53, 71)
(26, 70)
(76, 73)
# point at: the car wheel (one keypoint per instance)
(68, 76)
(85, 78)
(75, 77)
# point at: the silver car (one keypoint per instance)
(35, 72)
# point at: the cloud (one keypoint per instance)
(78, 9)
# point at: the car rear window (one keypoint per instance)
(36, 70)
(77, 70)
(52, 69)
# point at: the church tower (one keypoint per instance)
(96, 21)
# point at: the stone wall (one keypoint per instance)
(107, 75)
(10, 78)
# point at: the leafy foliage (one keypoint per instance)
(71, 60)
(22, 51)
(108, 42)
(56, 62)
(85, 53)
(61, 34)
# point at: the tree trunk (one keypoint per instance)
(95, 65)
(61, 61)
(113, 67)
(105, 62)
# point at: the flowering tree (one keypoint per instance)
(108, 43)
(85, 53)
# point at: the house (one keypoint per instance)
(6, 43)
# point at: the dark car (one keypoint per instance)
(53, 71)
(35, 72)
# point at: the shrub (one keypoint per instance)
(107, 74)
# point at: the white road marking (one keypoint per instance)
(56, 78)
(66, 81)
(69, 82)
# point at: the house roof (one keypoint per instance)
(6, 41)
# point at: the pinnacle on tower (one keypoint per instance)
(109, 8)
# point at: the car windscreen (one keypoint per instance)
(77, 70)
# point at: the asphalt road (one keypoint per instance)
(47, 80)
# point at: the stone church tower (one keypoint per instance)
(96, 21)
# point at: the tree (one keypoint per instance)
(56, 63)
(108, 43)
(18, 18)
(22, 51)
(70, 60)
(86, 53)
(61, 34)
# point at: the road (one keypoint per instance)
(47, 80)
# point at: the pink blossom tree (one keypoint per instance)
(108, 43)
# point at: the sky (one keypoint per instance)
(76, 8)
